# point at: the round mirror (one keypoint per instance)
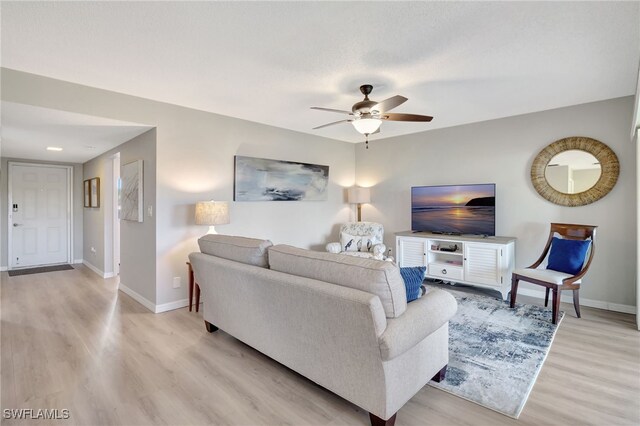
(573, 171)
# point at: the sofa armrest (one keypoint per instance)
(422, 317)
(334, 248)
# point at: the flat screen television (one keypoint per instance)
(454, 209)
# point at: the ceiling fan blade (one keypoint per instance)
(331, 124)
(340, 111)
(405, 117)
(389, 104)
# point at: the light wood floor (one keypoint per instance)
(71, 340)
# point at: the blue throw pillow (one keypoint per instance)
(413, 278)
(567, 255)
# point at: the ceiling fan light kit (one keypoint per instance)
(367, 115)
(367, 126)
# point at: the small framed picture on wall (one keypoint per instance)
(92, 192)
(95, 192)
(87, 193)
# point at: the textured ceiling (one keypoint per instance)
(269, 62)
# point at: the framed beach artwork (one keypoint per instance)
(261, 179)
(131, 196)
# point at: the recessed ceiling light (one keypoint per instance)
(54, 148)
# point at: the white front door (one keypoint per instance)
(39, 215)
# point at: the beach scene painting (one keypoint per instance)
(457, 209)
(261, 179)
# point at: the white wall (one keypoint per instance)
(501, 152)
(195, 152)
(77, 207)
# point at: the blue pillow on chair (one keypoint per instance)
(413, 278)
(567, 255)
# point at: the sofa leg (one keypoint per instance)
(440, 375)
(210, 327)
(377, 421)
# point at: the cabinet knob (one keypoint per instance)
(444, 272)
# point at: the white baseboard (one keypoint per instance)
(93, 268)
(3, 268)
(77, 261)
(568, 298)
(97, 270)
(150, 305)
(138, 297)
(172, 305)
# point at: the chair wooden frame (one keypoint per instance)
(568, 231)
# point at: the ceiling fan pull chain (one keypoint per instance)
(366, 141)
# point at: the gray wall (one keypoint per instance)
(501, 152)
(137, 240)
(77, 206)
(195, 152)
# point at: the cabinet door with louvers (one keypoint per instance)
(482, 263)
(411, 252)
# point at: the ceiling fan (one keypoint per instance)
(367, 115)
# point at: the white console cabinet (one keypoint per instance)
(479, 261)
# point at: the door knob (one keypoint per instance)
(17, 224)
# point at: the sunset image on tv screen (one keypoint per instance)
(458, 209)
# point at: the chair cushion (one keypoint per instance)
(413, 277)
(547, 275)
(567, 255)
(240, 249)
(373, 276)
(358, 243)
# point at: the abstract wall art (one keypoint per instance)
(131, 195)
(261, 179)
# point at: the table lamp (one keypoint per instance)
(358, 195)
(212, 213)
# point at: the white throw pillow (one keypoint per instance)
(361, 243)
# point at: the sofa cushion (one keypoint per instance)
(251, 251)
(373, 276)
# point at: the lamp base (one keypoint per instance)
(359, 212)
(212, 230)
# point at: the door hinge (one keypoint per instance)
(500, 280)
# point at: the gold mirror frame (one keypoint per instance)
(610, 169)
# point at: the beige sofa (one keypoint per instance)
(341, 321)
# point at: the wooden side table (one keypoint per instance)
(192, 284)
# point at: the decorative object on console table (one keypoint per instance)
(556, 281)
(359, 195)
(212, 213)
(132, 192)
(261, 179)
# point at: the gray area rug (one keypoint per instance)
(28, 271)
(496, 353)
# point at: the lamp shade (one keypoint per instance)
(358, 195)
(212, 213)
(367, 126)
